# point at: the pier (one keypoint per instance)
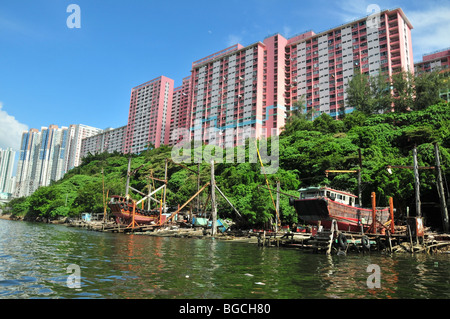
(323, 242)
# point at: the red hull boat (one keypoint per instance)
(122, 209)
(325, 204)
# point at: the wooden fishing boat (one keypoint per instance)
(323, 204)
(122, 209)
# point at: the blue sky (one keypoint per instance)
(50, 74)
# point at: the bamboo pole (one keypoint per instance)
(374, 213)
(440, 186)
(128, 177)
(165, 184)
(190, 199)
(277, 207)
(391, 211)
(267, 181)
(198, 187)
(228, 201)
(213, 201)
(417, 183)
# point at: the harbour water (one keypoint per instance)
(40, 261)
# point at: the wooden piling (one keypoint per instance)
(213, 201)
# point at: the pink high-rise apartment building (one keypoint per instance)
(225, 95)
(322, 65)
(237, 93)
(181, 112)
(249, 91)
(439, 60)
(149, 115)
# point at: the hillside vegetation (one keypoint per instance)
(306, 150)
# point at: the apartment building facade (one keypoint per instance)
(249, 91)
(41, 158)
(149, 115)
(181, 112)
(439, 60)
(75, 135)
(48, 154)
(323, 64)
(110, 140)
(7, 158)
(243, 92)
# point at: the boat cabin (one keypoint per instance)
(326, 192)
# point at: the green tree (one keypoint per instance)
(427, 86)
(380, 93)
(359, 93)
(403, 91)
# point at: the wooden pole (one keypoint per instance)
(374, 213)
(133, 223)
(441, 192)
(265, 176)
(165, 185)
(228, 201)
(213, 201)
(160, 213)
(359, 179)
(391, 211)
(277, 207)
(198, 187)
(416, 182)
(104, 200)
(190, 199)
(149, 207)
(128, 177)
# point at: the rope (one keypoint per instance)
(268, 186)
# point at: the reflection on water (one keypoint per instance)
(34, 260)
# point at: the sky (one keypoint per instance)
(53, 74)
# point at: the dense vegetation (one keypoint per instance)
(306, 149)
(403, 91)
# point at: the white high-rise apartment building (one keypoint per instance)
(76, 134)
(6, 170)
(47, 155)
(110, 140)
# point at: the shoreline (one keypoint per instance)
(247, 237)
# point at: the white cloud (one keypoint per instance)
(233, 39)
(430, 20)
(431, 31)
(10, 130)
(287, 32)
(350, 10)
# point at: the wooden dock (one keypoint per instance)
(341, 242)
(326, 241)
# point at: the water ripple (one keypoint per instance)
(34, 260)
